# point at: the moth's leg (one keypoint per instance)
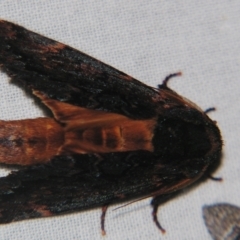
(218, 179)
(167, 78)
(156, 201)
(209, 110)
(103, 215)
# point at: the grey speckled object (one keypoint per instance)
(222, 221)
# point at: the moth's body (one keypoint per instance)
(77, 130)
(111, 138)
(38, 140)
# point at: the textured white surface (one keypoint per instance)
(148, 40)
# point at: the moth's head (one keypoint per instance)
(185, 133)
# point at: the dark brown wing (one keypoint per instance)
(67, 75)
(79, 182)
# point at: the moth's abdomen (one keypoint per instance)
(31, 141)
(34, 141)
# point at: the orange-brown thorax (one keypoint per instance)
(74, 130)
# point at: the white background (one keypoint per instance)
(148, 40)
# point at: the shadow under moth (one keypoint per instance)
(222, 221)
(110, 139)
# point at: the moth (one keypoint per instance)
(110, 138)
(222, 221)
